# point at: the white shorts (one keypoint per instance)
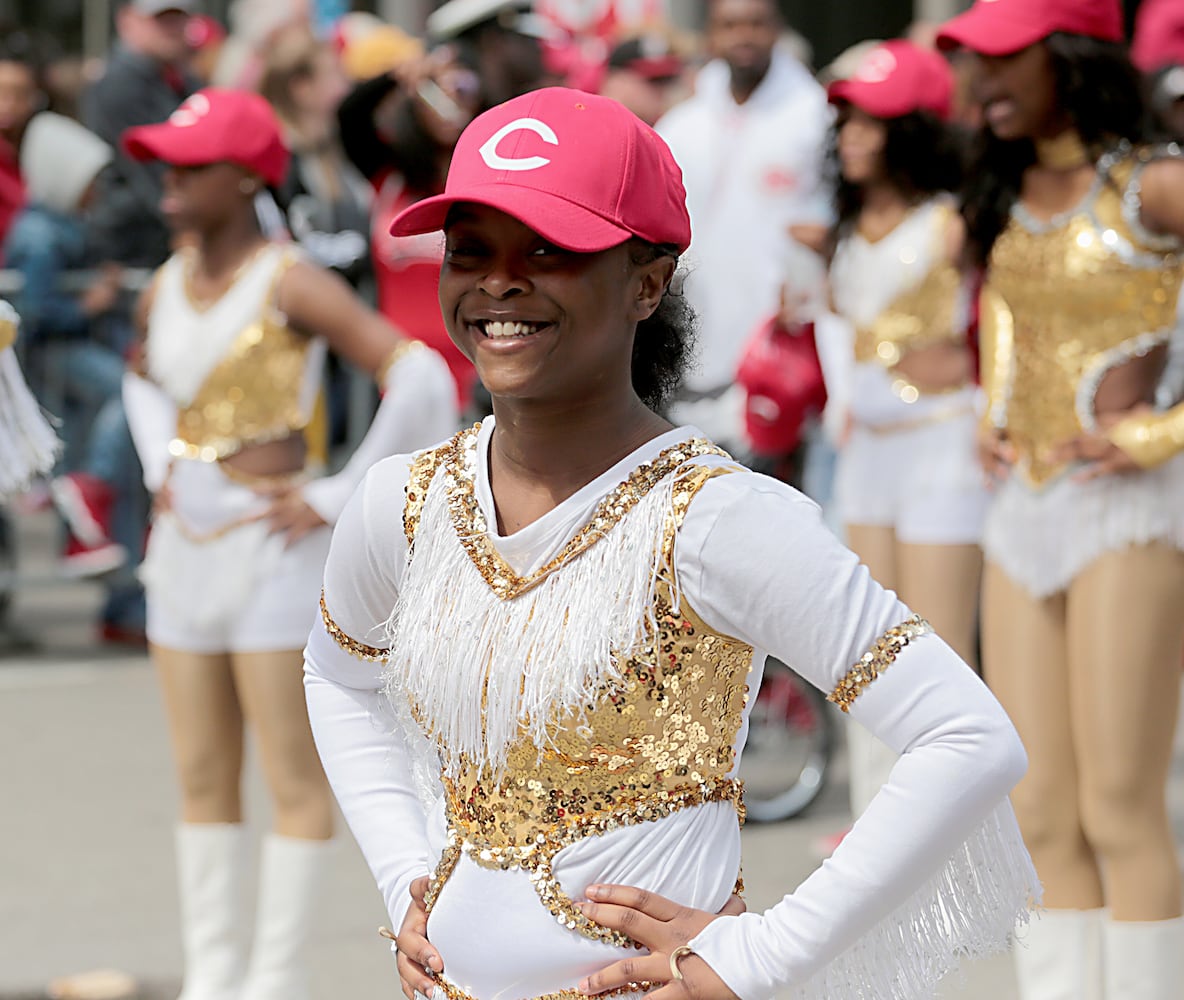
(922, 481)
(214, 585)
(1043, 538)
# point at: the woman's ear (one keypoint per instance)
(654, 278)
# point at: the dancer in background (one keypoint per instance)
(909, 490)
(572, 600)
(1080, 227)
(236, 330)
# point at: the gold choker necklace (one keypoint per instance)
(1065, 152)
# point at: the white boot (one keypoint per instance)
(1144, 961)
(1059, 956)
(209, 875)
(289, 884)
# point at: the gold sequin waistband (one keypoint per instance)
(453, 992)
(536, 858)
(937, 416)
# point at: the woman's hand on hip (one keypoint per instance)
(662, 926)
(418, 962)
(290, 515)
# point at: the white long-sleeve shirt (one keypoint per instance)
(751, 171)
(934, 869)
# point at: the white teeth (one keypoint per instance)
(498, 328)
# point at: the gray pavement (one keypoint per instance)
(88, 806)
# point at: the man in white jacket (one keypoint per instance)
(750, 144)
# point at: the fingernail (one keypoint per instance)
(583, 906)
(594, 891)
(584, 985)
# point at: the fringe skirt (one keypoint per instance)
(1043, 538)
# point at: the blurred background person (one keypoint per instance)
(908, 488)
(646, 74)
(500, 40)
(146, 78)
(1079, 225)
(75, 373)
(235, 329)
(21, 95)
(750, 145)
(325, 200)
(399, 129)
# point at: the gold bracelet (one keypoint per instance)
(1151, 439)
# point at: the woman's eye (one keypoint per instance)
(463, 250)
(548, 250)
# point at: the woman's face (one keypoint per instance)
(1017, 93)
(541, 323)
(199, 198)
(316, 95)
(861, 143)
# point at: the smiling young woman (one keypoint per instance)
(530, 690)
(1079, 225)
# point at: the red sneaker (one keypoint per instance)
(81, 560)
(84, 501)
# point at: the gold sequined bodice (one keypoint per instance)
(253, 394)
(1064, 303)
(658, 739)
(920, 316)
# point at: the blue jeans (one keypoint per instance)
(82, 382)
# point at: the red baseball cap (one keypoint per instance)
(216, 126)
(1001, 27)
(896, 78)
(1159, 35)
(582, 171)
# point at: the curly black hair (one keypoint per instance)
(922, 157)
(1103, 95)
(664, 345)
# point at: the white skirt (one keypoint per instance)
(1043, 538)
(216, 585)
(922, 480)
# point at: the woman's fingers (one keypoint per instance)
(648, 903)
(413, 977)
(639, 969)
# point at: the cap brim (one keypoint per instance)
(556, 219)
(164, 142)
(869, 99)
(990, 32)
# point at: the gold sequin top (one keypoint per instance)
(661, 739)
(921, 315)
(1068, 300)
(260, 389)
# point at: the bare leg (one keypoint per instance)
(206, 727)
(941, 583)
(1025, 661)
(271, 686)
(1126, 626)
(295, 855)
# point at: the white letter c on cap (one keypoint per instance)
(494, 161)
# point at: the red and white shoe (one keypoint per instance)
(80, 560)
(84, 502)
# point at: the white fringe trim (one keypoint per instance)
(484, 672)
(969, 909)
(28, 445)
(1043, 539)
